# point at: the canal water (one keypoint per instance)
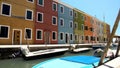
(21, 63)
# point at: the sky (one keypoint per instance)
(100, 9)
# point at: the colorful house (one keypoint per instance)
(46, 23)
(96, 30)
(88, 29)
(78, 26)
(17, 21)
(65, 23)
(101, 37)
(104, 32)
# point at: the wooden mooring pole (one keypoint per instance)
(110, 39)
(118, 48)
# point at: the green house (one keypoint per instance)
(78, 26)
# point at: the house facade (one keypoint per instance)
(88, 29)
(78, 26)
(16, 22)
(46, 23)
(65, 24)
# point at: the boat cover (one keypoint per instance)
(82, 59)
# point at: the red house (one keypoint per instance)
(46, 27)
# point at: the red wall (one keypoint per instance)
(46, 26)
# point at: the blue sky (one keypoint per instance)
(99, 8)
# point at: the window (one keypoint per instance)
(76, 37)
(39, 34)
(71, 36)
(86, 37)
(82, 27)
(29, 14)
(75, 14)
(39, 17)
(83, 18)
(54, 6)
(91, 29)
(61, 21)
(28, 33)
(4, 31)
(92, 21)
(61, 9)
(86, 27)
(6, 9)
(41, 2)
(54, 20)
(97, 38)
(92, 38)
(71, 24)
(71, 13)
(82, 37)
(61, 36)
(54, 35)
(30, 1)
(76, 25)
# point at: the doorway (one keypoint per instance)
(16, 37)
(66, 38)
(47, 37)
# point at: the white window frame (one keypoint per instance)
(8, 32)
(40, 4)
(82, 27)
(41, 34)
(60, 9)
(26, 15)
(60, 36)
(55, 36)
(9, 11)
(76, 39)
(53, 6)
(42, 17)
(25, 34)
(75, 14)
(30, 1)
(70, 24)
(52, 20)
(76, 24)
(63, 22)
(70, 12)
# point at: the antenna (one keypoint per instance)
(103, 17)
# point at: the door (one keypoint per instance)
(16, 37)
(47, 38)
(66, 38)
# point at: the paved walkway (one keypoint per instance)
(115, 63)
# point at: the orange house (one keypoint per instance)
(88, 29)
(16, 21)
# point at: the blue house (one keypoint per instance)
(65, 24)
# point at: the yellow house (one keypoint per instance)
(17, 21)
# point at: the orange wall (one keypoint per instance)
(89, 24)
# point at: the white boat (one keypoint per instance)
(80, 49)
(26, 52)
(98, 52)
